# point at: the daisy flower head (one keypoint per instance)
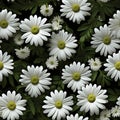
(52, 62)
(115, 111)
(57, 105)
(8, 24)
(22, 53)
(76, 75)
(36, 80)
(76, 117)
(112, 67)
(62, 45)
(36, 30)
(95, 64)
(118, 101)
(17, 39)
(92, 98)
(104, 41)
(114, 23)
(6, 65)
(46, 10)
(75, 10)
(12, 105)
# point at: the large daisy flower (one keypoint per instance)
(6, 65)
(104, 41)
(58, 105)
(36, 30)
(76, 75)
(75, 10)
(36, 80)
(92, 98)
(8, 24)
(62, 45)
(12, 105)
(113, 66)
(76, 117)
(115, 23)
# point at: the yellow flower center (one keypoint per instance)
(76, 7)
(117, 65)
(34, 80)
(61, 44)
(35, 29)
(76, 76)
(1, 65)
(3, 23)
(107, 40)
(11, 105)
(91, 98)
(58, 104)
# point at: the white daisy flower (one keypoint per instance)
(75, 10)
(58, 19)
(105, 115)
(12, 105)
(118, 101)
(76, 117)
(104, 41)
(52, 62)
(6, 65)
(113, 66)
(92, 98)
(18, 40)
(62, 45)
(115, 23)
(95, 64)
(36, 30)
(76, 75)
(57, 105)
(22, 53)
(36, 80)
(103, 0)
(115, 111)
(46, 10)
(8, 24)
(56, 25)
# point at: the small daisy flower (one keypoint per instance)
(62, 45)
(104, 41)
(12, 105)
(8, 24)
(18, 40)
(56, 25)
(46, 10)
(52, 62)
(22, 53)
(115, 23)
(36, 80)
(105, 115)
(118, 101)
(103, 0)
(92, 98)
(57, 105)
(76, 75)
(6, 65)
(95, 65)
(115, 111)
(113, 66)
(58, 19)
(75, 10)
(76, 117)
(36, 30)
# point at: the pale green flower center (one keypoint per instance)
(91, 98)
(95, 64)
(107, 40)
(34, 80)
(35, 29)
(58, 104)
(76, 76)
(52, 62)
(47, 10)
(61, 44)
(1, 65)
(75, 7)
(11, 105)
(3, 23)
(117, 65)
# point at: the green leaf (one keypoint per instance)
(31, 105)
